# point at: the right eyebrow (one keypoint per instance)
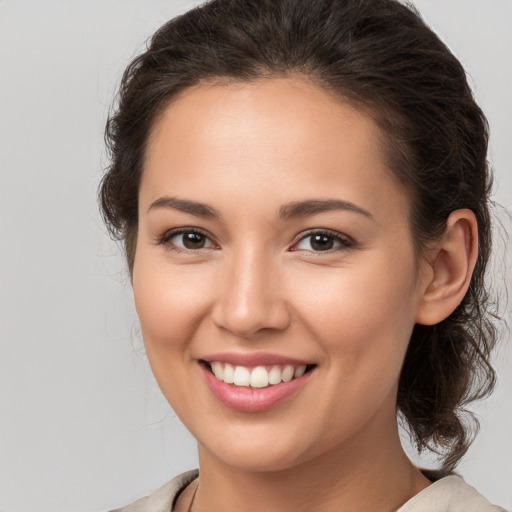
(192, 207)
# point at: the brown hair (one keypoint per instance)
(380, 56)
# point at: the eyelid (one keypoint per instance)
(345, 241)
(166, 237)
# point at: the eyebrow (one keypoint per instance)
(289, 211)
(184, 205)
(314, 206)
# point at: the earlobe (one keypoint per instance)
(451, 267)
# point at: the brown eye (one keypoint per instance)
(322, 241)
(193, 240)
(186, 240)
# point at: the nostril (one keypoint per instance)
(247, 322)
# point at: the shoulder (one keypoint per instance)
(449, 494)
(162, 500)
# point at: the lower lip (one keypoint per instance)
(247, 399)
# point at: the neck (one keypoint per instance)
(367, 474)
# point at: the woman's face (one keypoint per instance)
(272, 236)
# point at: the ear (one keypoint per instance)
(450, 265)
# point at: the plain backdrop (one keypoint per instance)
(83, 426)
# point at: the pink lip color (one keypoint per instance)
(252, 399)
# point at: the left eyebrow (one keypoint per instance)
(314, 206)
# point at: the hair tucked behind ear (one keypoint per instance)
(381, 57)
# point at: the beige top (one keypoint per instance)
(448, 494)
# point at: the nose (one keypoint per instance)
(251, 298)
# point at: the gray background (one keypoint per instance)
(82, 424)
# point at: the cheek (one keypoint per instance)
(168, 304)
(359, 310)
(361, 320)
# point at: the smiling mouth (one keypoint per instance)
(256, 377)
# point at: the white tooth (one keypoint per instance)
(242, 376)
(274, 376)
(228, 376)
(287, 373)
(299, 371)
(217, 370)
(259, 377)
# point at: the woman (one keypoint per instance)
(302, 191)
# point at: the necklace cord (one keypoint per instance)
(193, 498)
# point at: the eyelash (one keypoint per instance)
(165, 239)
(345, 242)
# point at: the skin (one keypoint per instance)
(258, 284)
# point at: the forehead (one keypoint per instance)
(262, 114)
(271, 136)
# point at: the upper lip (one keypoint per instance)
(254, 359)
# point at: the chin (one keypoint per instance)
(263, 456)
(257, 462)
